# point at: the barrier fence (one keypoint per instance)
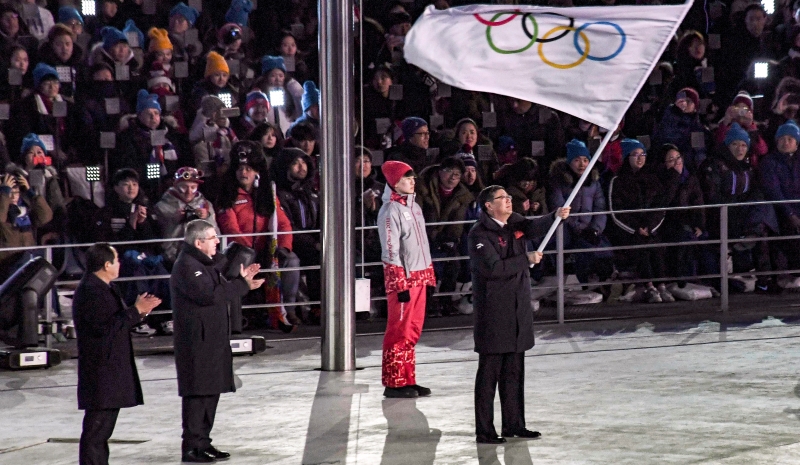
(559, 251)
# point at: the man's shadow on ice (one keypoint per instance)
(515, 452)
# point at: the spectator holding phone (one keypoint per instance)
(22, 210)
(741, 112)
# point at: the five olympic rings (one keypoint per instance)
(545, 38)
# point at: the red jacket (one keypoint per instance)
(239, 220)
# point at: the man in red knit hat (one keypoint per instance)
(407, 271)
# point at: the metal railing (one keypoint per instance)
(559, 251)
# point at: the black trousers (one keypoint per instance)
(198, 414)
(98, 425)
(507, 370)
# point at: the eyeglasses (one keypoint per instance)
(423, 134)
(673, 159)
(452, 172)
(503, 197)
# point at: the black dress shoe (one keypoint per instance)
(524, 434)
(198, 456)
(405, 392)
(490, 440)
(421, 391)
(217, 454)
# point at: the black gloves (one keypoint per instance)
(591, 236)
(404, 296)
(282, 253)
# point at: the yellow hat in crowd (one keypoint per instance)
(215, 63)
(159, 39)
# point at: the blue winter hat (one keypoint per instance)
(505, 143)
(310, 95)
(42, 71)
(130, 26)
(238, 11)
(268, 63)
(410, 125)
(575, 149)
(67, 13)
(146, 101)
(629, 145)
(186, 11)
(788, 128)
(29, 141)
(735, 132)
(112, 36)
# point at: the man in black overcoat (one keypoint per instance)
(107, 376)
(203, 358)
(501, 288)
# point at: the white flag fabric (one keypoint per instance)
(589, 62)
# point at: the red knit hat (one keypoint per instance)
(689, 94)
(393, 171)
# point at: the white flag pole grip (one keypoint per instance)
(574, 192)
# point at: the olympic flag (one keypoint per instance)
(589, 62)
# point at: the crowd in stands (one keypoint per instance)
(212, 111)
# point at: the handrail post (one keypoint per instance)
(48, 304)
(560, 272)
(723, 257)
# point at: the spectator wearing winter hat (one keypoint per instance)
(215, 82)
(397, 26)
(115, 52)
(159, 50)
(741, 112)
(181, 18)
(780, 174)
(159, 83)
(60, 50)
(70, 17)
(407, 273)
(680, 125)
(636, 187)
(273, 77)
(229, 46)
(34, 114)
(414, 149)
(310, 102)
(212, 138)
(135, 143)
(581, 232)
(255, 111)
(248, 204)
(238, 11)
(728, 177)
(33, 156)
(443, 198)
(180, 204)
(506, 150)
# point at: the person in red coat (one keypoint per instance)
(248, 205)
(107, 376)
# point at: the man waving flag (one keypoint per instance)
(589, 62)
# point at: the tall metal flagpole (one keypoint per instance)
(578, 186)
(338, 263)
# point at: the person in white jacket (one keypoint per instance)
(407, 271)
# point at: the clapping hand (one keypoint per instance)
(145, 303)
(249, 274)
